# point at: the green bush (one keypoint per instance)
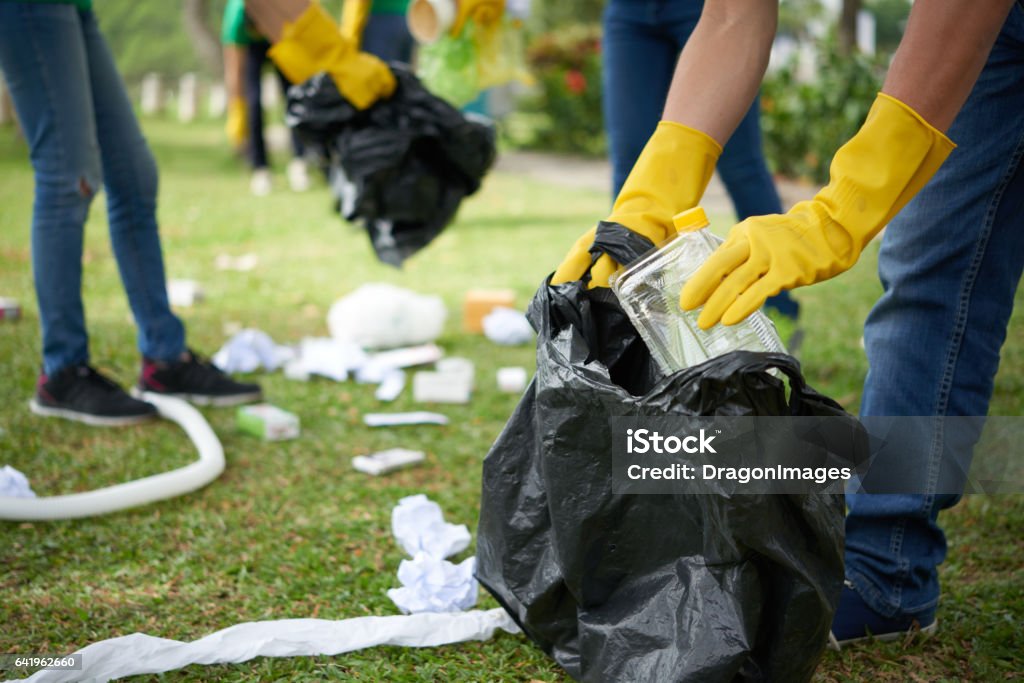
(805, 123)
(563, 113)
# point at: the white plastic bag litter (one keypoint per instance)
(419, 527)
(508, 327)
(432, 585)
(143, 654)
(381, 316)
(249, 350)
(14, 484)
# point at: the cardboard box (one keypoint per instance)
(479, 302)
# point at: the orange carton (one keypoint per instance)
(479, 302)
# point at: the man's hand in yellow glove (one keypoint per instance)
(669, 177)
(237, 125)
(312, 43)
(873, 176)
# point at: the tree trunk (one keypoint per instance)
(195, 14)
(848, 26)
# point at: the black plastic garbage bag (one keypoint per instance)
(402, 166)
(650, 587)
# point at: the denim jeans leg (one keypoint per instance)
(130, 178)
(950, 264)
(638, 61)
(252, 77)
(43, 57)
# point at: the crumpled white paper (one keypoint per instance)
(419, 527)
(508, 327)
(14, 484)
(382, 316)
(329, 358)
(432, 585)
(249, 350)
(144, 654)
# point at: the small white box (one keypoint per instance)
(268, 422)
(440, 387)
(512, 380)
(457, 367)
(387, 461)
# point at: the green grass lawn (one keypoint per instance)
(290, 530)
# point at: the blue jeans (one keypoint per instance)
(82, 133)
(387, 36)
(255, 59)
(950, 264)
(642, 42)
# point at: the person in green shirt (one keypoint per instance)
(245, 56)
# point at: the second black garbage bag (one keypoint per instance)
(402, 167)
(651, 587)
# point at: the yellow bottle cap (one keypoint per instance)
(690, 220)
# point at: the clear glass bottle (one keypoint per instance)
(649, 293)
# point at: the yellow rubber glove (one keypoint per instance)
(354, 15)
(312, 43)
(237, 125)
(873, 176)
(670, 176)
(483, 13)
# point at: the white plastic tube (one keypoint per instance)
(140, 491)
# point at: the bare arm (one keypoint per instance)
(270, 16)
(942, 53)
(234, 62)
(722, 65)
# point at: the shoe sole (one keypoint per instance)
(924, 632)
(93, 420)
(206, 400)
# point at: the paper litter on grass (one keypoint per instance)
(139, 653)
(508, 327)
(14, 484)
(419, 527)
(382, 316)
(249, 350)
(432, 585)
(418, 417)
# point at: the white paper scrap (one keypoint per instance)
(249, 350)
(391, 386)
(433, 585)
(418, 417)
(507, 326)
(419, 527)
(387, 461)
(330, 358)
(14, 484)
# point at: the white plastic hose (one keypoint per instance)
(140, 491)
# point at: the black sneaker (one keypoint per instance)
(82, 394)
(195, 379)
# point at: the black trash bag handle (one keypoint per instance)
(790, 366)
(619, 242)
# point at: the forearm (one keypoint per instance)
(942, 52)
(234, 60)
(721, 67)
(270, 16)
